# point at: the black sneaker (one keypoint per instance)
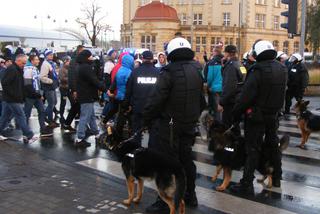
(191, 199)
(68, 127)
(241, 188)
(81, 143)
(46, 132)
(158, 207)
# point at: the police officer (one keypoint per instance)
(298, 80)
(140, 85)
(177, 101)
(261, 99)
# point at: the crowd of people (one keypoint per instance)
(164, 96)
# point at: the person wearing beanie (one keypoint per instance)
(49, 82)
(260, 101)
(140, 86)
(13, 99)
(88, 85)
(33, 96)
(231, 77)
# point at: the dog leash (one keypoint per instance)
(229, 130)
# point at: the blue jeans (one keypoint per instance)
(40, 108)
(15, 110)
(87, 117)
(51, 97)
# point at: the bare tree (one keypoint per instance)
(93, 22)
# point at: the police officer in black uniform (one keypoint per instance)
(261, 99)
(139, 88)
(178, 102)
(298, 80)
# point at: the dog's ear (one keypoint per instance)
(307, 102)
(284, 142)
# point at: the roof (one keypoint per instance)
(156, 11)
(31, 33)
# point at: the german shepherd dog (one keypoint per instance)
(140, 163)
(230, 154)
(307, 122)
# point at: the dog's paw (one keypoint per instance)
(214, 178)
(221, 188)
(126, 202)
(137, 200)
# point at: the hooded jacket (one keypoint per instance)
(298, 78)
(159, 65)
(123, 75)
(87, 81)
(214, 75)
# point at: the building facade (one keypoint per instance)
(205, 23)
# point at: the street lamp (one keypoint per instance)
(41, 21)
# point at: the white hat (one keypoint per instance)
(178, 44)
(297, 56)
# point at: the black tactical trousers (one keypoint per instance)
(180, 148)
(290, 94)
(257, 134)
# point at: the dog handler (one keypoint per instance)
(177, 102)
(262, 97)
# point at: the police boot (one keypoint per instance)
(158, 207)
(191, 199)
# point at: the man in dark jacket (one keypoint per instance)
(231, 76)
(72, 85)
(13, 98)
(298, 79)
(87, 93)
(261, 99)
(140, 85)
(177, 102)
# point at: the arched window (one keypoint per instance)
(286, 47)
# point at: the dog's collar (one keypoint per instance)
(130, 155)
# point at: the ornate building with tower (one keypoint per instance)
(150, 24)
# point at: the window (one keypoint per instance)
(228, 41)
(286, 47)
(213, 42)
(260, 20)
(200, 42)
(197, 19)
(276, 22)
(184, 19)
(226, 19)
(276, 3)
(127, 41)
(226, 1)
(296, 47)
(149, 42)
(275, 44)
(261, 2)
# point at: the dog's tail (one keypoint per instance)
(284, 142)
(180, 187)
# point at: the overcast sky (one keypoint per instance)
(22, 12)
